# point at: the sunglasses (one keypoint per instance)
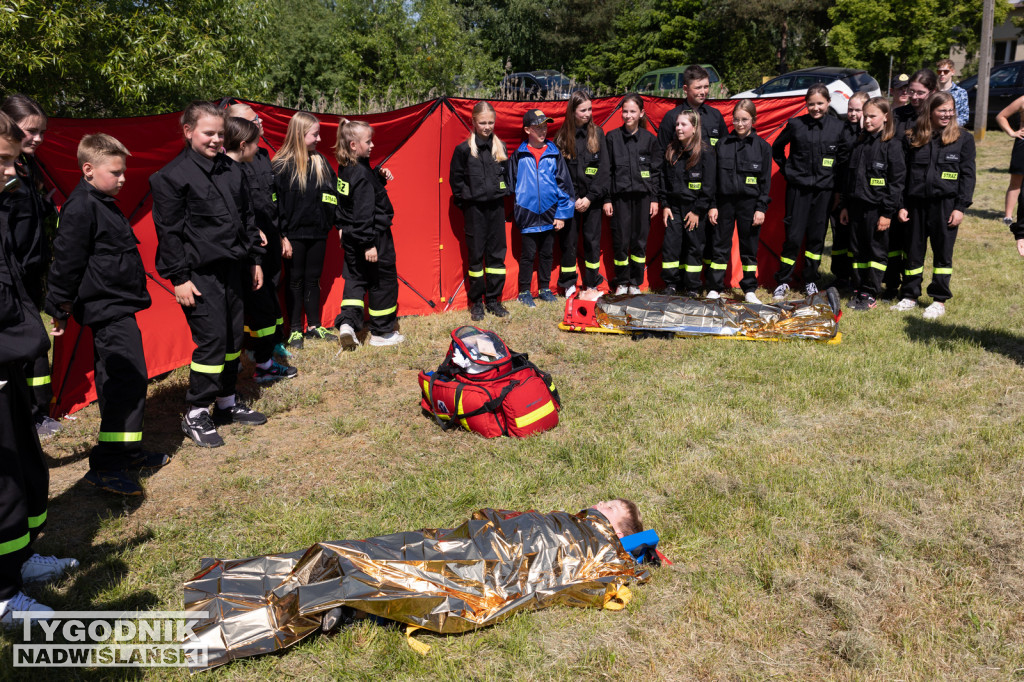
(944, 71)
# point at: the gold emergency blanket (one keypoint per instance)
(809, 318)
(445, 580)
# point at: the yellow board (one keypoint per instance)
(601, 330)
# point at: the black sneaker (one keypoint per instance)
(201, 430)
(668, 291)
(117, 482)
(273, 373)
(476, 312)
(148, 460)
(239, 413)
(295, 340)
(320, 333)
(497, 309)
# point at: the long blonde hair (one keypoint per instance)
(497, 146)
(921, 133)
(693, 146)
(294, 153)
(348, 131)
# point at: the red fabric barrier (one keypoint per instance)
(416, 144)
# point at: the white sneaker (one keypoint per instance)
(42, 569)
(811, 288)
(904, 305)
(935, 310)
(570, 291)
(347, 337)
(22, 602)
(751, 297)
(780, 292)
(389, 339)
(713, 295)
(621, 290)
(633, 291)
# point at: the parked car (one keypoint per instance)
(538, 85)
(841, 84)
(668, 82)
(1005, 84)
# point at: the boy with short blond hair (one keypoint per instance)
(98, 277)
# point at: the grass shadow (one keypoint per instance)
(993, 340)
(985, 213)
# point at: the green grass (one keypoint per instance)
(850, 511)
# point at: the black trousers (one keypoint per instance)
(682, 250)
(24, 479)
(121, 378)
(806, 219)
(539, 246)
(898, 245)
(378, 282)
(217, 324)
(263, 320)
(588, 227)
(842, 257)
(631, 224)
(302, 272)
(739, 211)
(869, 246)
(929, 222)
(37, 370)
(486, 248)
(568, 244)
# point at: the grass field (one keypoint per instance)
(849, 512)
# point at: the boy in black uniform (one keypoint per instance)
(24, 479)
(207, 236)
(97, 275)
(696, 84)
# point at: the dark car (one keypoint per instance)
(537, 85)
(841, 83)
(1005, 84)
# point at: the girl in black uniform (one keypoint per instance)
(479, 177)
(842, 259)
(28, 207)
(816, 151)
(206, 241)
(873, 193)
(940, 188)
(307, 202)
(742, 198)
(635, 165)
(583, 144)
(687, 191)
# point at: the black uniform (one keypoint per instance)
(24, 479)
(97, 275)
(27, 210)
(873, 189)
(635, 168)
(305, 218)
(842, 258)
(816, 151)
(686, 190)
(365, 214)
(743, 188)
(940, 180)
(591, 179)
(479, 187)
(712, 124)
(207, 235)
(904, 118)
(263, 319)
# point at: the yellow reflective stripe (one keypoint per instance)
(592, 266)
(707, 261)
(915, 271)
(896, 254)
(812, 256)
(280, 321)
(260, 333)
(536, 415)
(37, 381)
(36, 521)
(14, 545)
(638, 259)
(621, 262)
(942, 271)
(718, 266)
(273, 196)
(877, 266)
(458, 411)
(749, 268)
(693, 268)
(476, 273)
(571, 268)
(859, 266)
(382, 313)
(352, 302)
(839, 252)
(669, 264)
(232, 356)
(787, 261)
(206, 369)
(495, 271)
(329, 198)
(120, 437)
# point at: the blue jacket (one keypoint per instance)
(544, 192)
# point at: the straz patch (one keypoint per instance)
(645, 174)
(950, 176)
(693, 185)
(591, 171)
(878, 182)
(273, 197)
(751, 180)
(501, 185)
(827, 162)
(342, 188)
(329, 199)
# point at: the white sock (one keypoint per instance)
(225, 403)
(265, 365)
(194, 411)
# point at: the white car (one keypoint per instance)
(841, 84)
